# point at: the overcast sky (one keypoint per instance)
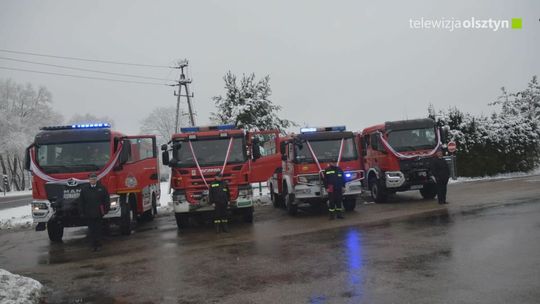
(331, 62)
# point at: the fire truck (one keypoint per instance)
(397, 154)
(197, 154)
(299, 180)
(60, 160)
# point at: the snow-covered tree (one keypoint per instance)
(247, 103)
(506, 141)
(23, 110)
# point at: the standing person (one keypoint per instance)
(219, 195)
(440, 170)
(334, 182)
(94, 204)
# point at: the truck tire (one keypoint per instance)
(292, 209)
(55, 230)
(248, 215)
(378, 192)
(277, 201)
(126, 219)
(349, 204)
(182, 220)
(429, 191)
(150, 214)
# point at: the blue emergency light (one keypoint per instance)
(208, 128)
(99, 125)
(324, 129)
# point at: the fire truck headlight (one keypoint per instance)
(245, 192)
(40, 208)
(302, 179)
(115, 201)
(351, 175)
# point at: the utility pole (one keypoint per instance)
(183, 81)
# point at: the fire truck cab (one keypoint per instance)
(197, 154)
(60, 160)
(397, 155)
(299, 180)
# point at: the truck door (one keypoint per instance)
(265, 156)
(140, 174)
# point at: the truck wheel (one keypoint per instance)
(182, 220)
(55, 231)
(377, 191)
(277, 201)
(126, 219)
(349, 204)
(248, 215)
(150, 214)
(429, 191)
(292, 209)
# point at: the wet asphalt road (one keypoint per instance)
(482, 248)
(12, 202)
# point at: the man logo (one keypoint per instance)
(72, 182)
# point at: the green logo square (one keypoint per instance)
(516, 23)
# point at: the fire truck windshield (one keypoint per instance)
(210, 152)
(327, 150)
(413, 139)
(73, 157)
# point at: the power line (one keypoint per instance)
(85, 77)
(82, 69)
(85, 59)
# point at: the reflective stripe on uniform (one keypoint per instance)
(217, 221)
(224, 221)
(330, 172)
(331, 210)
(215, 185)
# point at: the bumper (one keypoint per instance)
(305, 192)
(42, 211)
(183, 206)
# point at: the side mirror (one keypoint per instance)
(27, 159)
(445, 131)
(283, 150)
(164, 147)
(165, 157)
(125, 154)
(256, 149)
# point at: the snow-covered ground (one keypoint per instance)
(16, 289)
(16, 217)
(495, 177)
(16, 193)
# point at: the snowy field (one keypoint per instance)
(16, 289)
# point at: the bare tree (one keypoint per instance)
(161, 123)
(23, 110)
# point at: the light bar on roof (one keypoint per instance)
(323, 129)
(99, 125)
(207, 128)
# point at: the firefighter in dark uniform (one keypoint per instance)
(219, 195)
(94, 203)
(334, 182)
(441, 172)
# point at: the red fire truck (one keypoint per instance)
(304, 157)
(199, 153)
(397, 154)
(60, 159)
